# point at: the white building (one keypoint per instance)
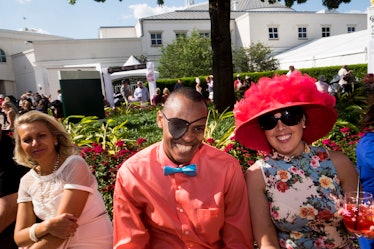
(35, 65)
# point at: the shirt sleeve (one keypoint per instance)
(237, 231)
(77, 175)
(129, 230)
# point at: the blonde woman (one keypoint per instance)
(59, 205)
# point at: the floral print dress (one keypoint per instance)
(304, 198)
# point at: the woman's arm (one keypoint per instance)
(263, 229)
(346, 171)
(53, 232)
(8, 210)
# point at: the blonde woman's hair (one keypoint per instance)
(64, 147)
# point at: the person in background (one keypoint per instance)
(291, 70)
(344, 73)
(179, 84)
(2, 113)
(238, 83)
(59, 95)
(210, 83)
(59, 205)
(296, 190)
(125, 89)
(334, 87)
(157, 97)
(181, 192)
(365, 160)
(322, 85)
(369, 83)
(141, 93)
(246, 83)
(198, 87)
(10, 175)
(11, 113)
(26, 106)
(165, 94)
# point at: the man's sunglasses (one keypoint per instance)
(178, 127)
(289, 116)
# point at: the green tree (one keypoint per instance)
(219, 11)
(255, 58)
(186, 56)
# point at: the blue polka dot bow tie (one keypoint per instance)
(189, 170)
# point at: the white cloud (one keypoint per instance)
(143, 10)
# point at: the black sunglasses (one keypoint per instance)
(289, 116)
(178, 127)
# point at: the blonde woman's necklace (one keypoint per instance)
(44, 193)
(55, 166)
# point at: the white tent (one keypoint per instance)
(131, 73)
(131, 61)
(148, 73)
(336, 50)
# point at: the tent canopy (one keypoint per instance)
(131, 61)
(335, 50)
(131, 73)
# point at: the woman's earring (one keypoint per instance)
(56, 143)
(304, 126)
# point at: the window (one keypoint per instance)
(302, 33)
(2, 56)
(325, 31)
(156, 39)
(351, 29)
(273, 33)
(180, 34)
(205, 34)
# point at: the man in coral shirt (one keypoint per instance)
(181, 193)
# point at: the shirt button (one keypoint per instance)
(186, 232)
(181, 210)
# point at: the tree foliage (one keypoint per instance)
(255, 58)
(186, 56)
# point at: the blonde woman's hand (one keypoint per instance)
(62, 226)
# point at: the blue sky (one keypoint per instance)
(82, 20)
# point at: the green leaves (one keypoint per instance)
(186, 56)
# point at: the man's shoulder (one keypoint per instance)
(144, 153)
(216, 153)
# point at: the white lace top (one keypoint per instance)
(45, 193)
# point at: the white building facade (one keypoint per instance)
(35, 65)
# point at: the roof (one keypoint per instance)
(241, 5)
(201, 11)
(337, 50)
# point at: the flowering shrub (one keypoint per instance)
(104, 164)
(342, 139)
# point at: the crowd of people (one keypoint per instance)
(11, 107)
(181, 192)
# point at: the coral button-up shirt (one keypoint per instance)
(209, 210)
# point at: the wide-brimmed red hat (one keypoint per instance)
(271, 94)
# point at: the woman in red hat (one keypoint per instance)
(295, 190)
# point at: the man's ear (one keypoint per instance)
(159, 119)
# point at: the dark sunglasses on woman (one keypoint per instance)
(289, 116)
